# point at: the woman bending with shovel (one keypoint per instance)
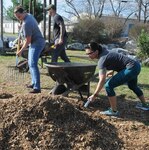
(36, 43)
(127, 72)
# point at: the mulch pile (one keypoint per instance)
(44, 122)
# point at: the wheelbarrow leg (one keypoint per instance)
(80, 94)
(43, 60)
(88, 89)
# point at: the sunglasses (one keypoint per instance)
(89, 53)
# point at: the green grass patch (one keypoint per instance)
(80, 57)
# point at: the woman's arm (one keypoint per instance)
(101, 82)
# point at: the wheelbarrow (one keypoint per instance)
(70, 77)
(23, 64)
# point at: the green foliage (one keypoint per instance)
(38, 9)
(143, 43)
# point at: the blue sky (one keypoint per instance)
(60, 4)
(61, 7)
(8, 3)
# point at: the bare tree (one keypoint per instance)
(92, 8)
(95, 8)
(144, 8)
(139, 7)
(125, 8)
(118, 7)
(73, 8)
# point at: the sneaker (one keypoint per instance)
(143, 106)
(110, 112)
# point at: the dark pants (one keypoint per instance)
(60, 51)
(128, 76)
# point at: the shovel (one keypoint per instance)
(18, 49)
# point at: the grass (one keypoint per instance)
(14, 79)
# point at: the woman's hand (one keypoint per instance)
(110, 73)
(92, 97)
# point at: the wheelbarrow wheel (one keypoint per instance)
(59, 89)
(23, 66)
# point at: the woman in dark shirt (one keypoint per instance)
(127, 72)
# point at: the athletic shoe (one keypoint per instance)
(143, 106)
(110, 112)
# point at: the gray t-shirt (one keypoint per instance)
(114, 61)
(30, 28)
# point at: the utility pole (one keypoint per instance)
(49, 25)
(44, 18)
(1, 21)
(139, 8)
(34, 7)
(30, 6)
(139, 14)
(55, 3)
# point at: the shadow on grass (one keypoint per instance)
(8, 54)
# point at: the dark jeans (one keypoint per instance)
(60, 51)
(128, 76)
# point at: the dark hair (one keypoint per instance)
(95, 46)
(19, 9)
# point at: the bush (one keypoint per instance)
(143, 43)
(89, 29)
(113, 27)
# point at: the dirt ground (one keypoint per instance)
(46, 122)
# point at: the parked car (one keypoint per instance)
(75, 46)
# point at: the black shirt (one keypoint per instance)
(57, 21)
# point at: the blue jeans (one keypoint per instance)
(129, 76)
(60, 51)
(33, 57)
